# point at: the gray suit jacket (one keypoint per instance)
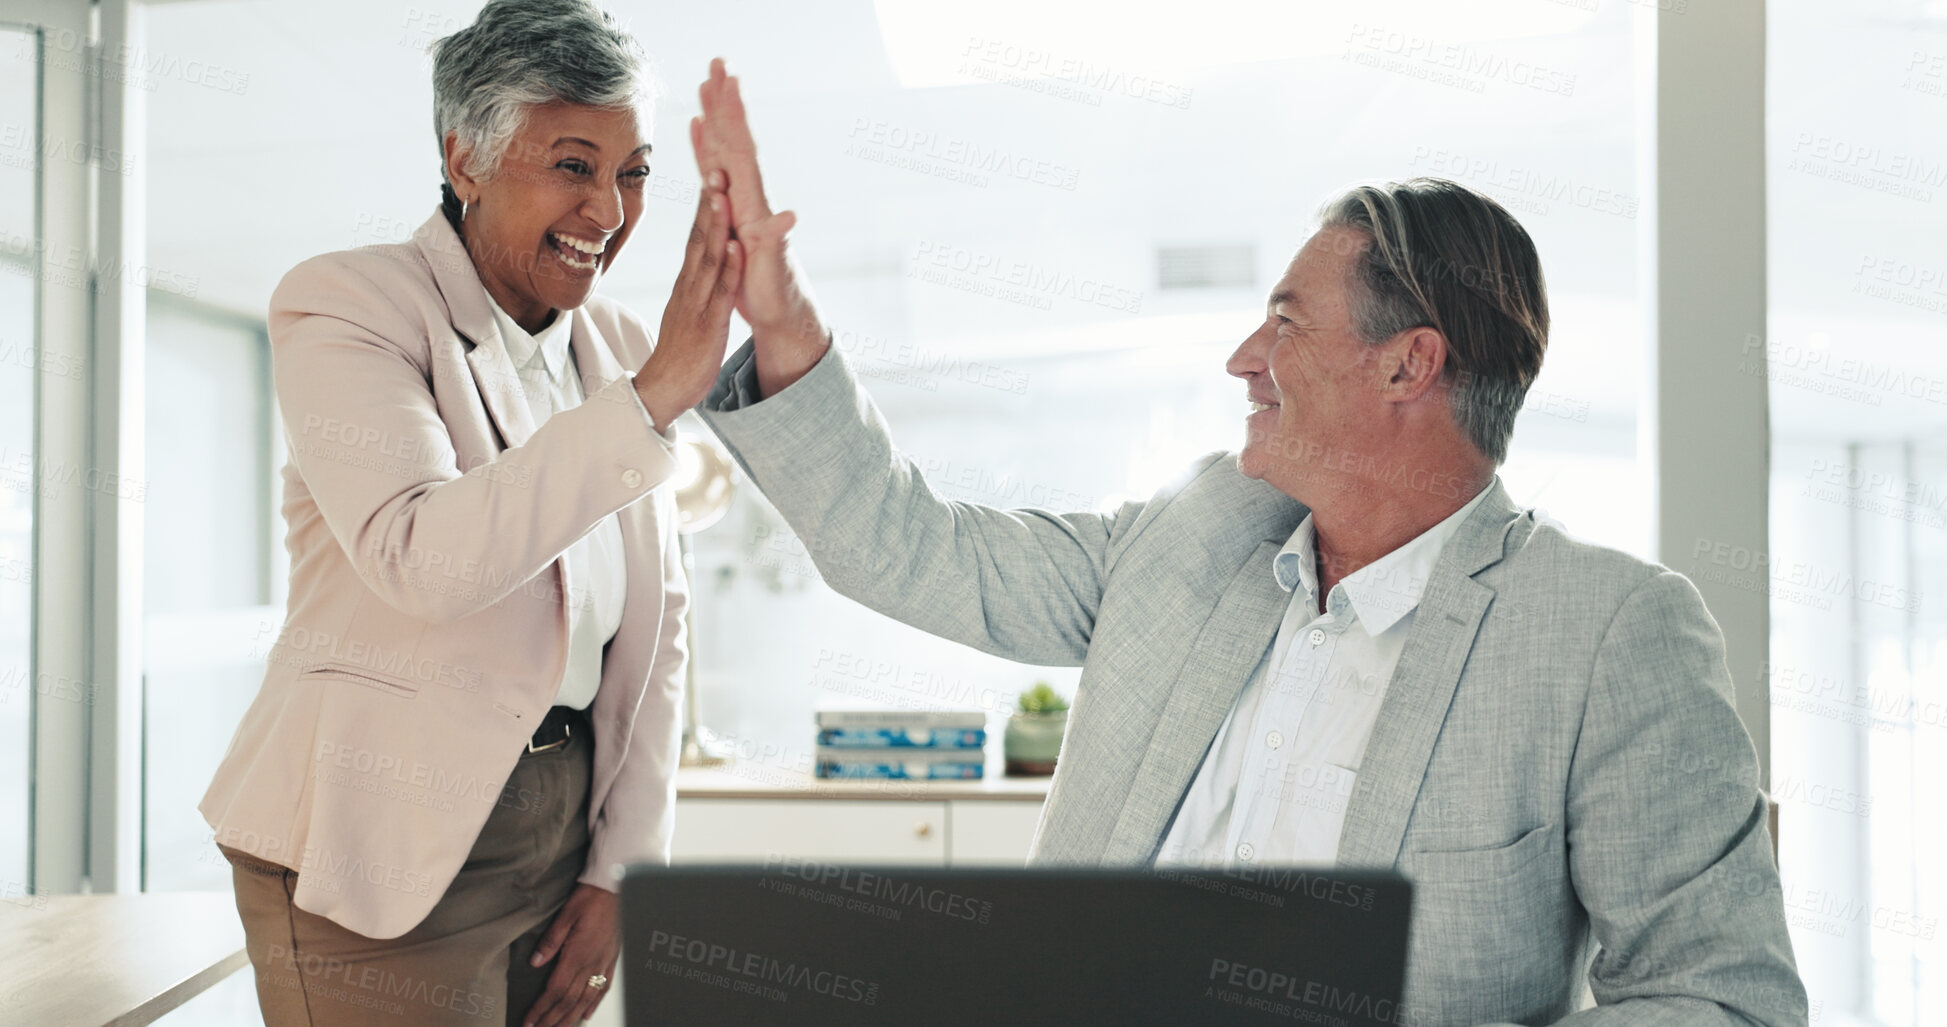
(1556, 766)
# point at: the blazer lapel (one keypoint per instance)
(595, 364)
(493, 372)
(618, 701)
(1422, 687)
(1234, 642)
(467, 307)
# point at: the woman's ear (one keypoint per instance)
(456, 159)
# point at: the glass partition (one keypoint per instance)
(1857, 354)
(20, 369)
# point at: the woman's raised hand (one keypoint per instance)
(696, 323)
(789, 335)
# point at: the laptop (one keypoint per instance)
(810, 942)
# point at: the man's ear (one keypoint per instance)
(1419, 355)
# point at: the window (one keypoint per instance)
(213, 569)
(1858, 181)
(1038, 242)
(20, 366)
(1037, 237)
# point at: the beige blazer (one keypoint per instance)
(426, 632)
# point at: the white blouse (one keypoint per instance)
(550, 383)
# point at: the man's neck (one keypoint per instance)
(1355, 528)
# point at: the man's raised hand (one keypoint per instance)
(790, 337)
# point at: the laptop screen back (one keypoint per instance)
(809, 942)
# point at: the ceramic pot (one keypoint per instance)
(1032, 742)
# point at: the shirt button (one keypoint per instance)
(632, 479)
(1317, 637)
(1274, 739)
(1245, 852)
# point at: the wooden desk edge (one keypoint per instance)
(188, 988)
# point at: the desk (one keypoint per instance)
(89, 960)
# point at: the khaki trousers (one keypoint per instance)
(466, 963)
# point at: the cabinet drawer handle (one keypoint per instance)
(923, 829)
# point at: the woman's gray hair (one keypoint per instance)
(520, 53)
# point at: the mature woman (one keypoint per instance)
(469, 723)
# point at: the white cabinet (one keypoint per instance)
(759, 830)
(987, 833)
(724, 816)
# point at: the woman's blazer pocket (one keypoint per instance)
(363, 676)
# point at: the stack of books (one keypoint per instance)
(927, 745)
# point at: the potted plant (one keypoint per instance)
(1034, 731)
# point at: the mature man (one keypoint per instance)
(1344, 644)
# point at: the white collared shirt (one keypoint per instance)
(1273, 787)
(550, 383)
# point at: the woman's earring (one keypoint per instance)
(462, 210)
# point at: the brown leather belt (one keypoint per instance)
(555, 728)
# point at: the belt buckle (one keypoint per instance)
(566, 730)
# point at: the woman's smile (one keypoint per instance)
(578, 256)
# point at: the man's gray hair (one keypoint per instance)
(1441, 255)
(519, 53)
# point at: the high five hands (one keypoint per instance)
(790, 336)
(737, 255)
